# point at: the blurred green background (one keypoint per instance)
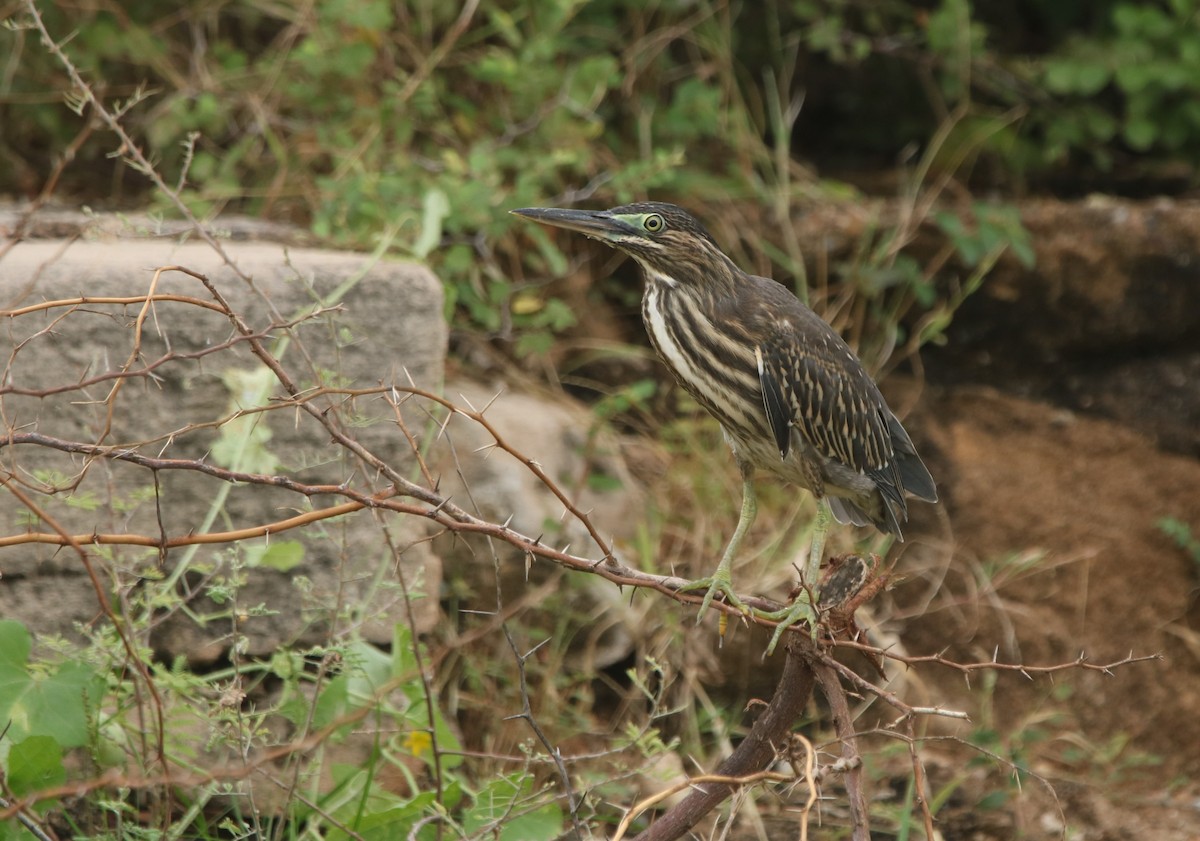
(419, 122)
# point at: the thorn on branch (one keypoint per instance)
(432, 513)
(467, 400)
(488, 405)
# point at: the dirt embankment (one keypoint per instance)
(1063, 417)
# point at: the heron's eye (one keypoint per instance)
(654, 223)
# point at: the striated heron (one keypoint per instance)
(790, 395)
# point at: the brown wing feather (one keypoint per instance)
(832, 400)
(779, 412)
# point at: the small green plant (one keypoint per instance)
(46, 709)
(53, 709)
(1184, 538)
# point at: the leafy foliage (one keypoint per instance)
(50, 703)
(1135, 83)
(50, 711)
(414, 126)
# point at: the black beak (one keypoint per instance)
(599, 224)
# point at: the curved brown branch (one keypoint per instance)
(754, 754)
(478, 417)
(149, 368)
(843, 721)
(429, 505)
(233, 536)
(145, 371)
(87, 300)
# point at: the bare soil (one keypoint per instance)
(1079, 498)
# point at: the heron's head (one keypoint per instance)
(669, 242)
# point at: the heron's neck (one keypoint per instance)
(704, 277)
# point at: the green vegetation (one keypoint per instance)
(1183, 536)
(418, 124)
(412, 127)
(1135, 85)
(50, 709)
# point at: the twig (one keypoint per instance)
(1080, 662)
(832, 689)
(692, 782)
(27, 822)
(526, 714)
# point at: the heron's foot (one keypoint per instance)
(800, 610)
(719, 582)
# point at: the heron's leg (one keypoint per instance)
(803, 609)
(721, 581)
(812, 572)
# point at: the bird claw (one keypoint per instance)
(802, 609)
(713, 585)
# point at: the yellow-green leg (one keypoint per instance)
(804, 607)
(816, 550)
(721, 581)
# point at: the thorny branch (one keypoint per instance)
(397, 493)
(404, 496)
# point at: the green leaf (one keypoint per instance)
(281, 555)
(404, 658)
(592, 77)
(996, 800)
(434, 210)
(395, 822)
(557, 315)
(544, 824)
(242, 442)
(533, 343)
(603, 483)
(332, 702)
(1136, 78)
(1140, 133)
(15, 644)
(369, 671)
(36, 704)
(503, 802)
(1181, 533)
(1076, 76)
(35, 764)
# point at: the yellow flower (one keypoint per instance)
(418, 742)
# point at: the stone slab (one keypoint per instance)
(388, 327)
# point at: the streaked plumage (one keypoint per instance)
(791, 396)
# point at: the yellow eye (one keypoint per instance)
(654, 223)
